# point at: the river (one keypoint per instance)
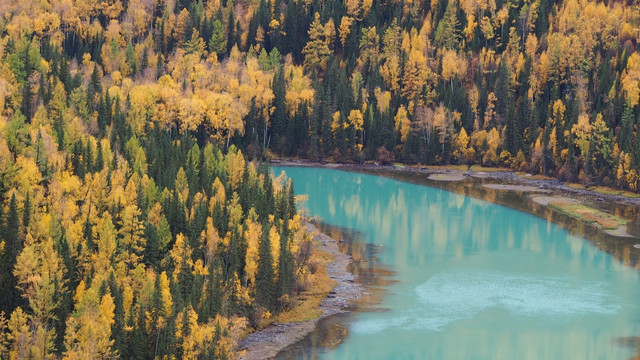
(471, 279)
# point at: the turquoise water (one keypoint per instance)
(474, 280)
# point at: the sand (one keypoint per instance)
(545, 200)
(447, 177)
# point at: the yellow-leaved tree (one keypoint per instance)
(253, 235)
(631, 79)
(403, 124)
(88, 333)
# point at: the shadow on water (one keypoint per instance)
(375, 277)
(328, 334)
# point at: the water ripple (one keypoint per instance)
(452, 296)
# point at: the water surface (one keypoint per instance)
(474, 280)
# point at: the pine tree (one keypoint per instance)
(95, 87)
(447, 33)
(158, 315)
(88, 157)
(159, 66)
(26, 216)
(87, 233)
(130, 57)
(27, 93)
(212, 291)
(625, 134)
(118, 327)
(502, 92)
(27, 96)
(231, 25)
(9, 296)
(265, 275)
(218, 43)
(66, 296)
(636, 151)
(279, 116)
(99, 160)
(285, 262)
(1, 226)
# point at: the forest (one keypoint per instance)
(134, 206)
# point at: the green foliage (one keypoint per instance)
(218, 43)
(120, 135)
(13, 244)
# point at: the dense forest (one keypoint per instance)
(132, 225)
(110, 255)
(549, 87)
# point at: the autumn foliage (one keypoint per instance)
(131, 210)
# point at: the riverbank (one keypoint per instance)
(508, 179)
(268, 342)
(504, 180)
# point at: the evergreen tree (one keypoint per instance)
(231, 31)
(264, 277)
(447, 33)
(502, 92)
(157, 312)
(65, 298)
(95, 87)
(9, 295)
(279, 116)
(285, 262)
(1, 225)
(625, 135)
(118, 327)
(130, 57)
(26, 216)
(218, 43)
(87, 233)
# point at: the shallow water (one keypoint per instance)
(473, 280)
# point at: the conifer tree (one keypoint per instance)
(447, 33)
(285, 262)
(625, 135)
(279, 116)
(218, 43)
(26, 216)
(9, 296)
(264, 277)
(231, 30)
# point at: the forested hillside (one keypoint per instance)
(109, 255)
(132, 225)
(540, 86)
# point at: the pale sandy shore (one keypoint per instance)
(545, 200)
(447, 177)
(620, 231)
(266, 343)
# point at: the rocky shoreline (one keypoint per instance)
(268, 342)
